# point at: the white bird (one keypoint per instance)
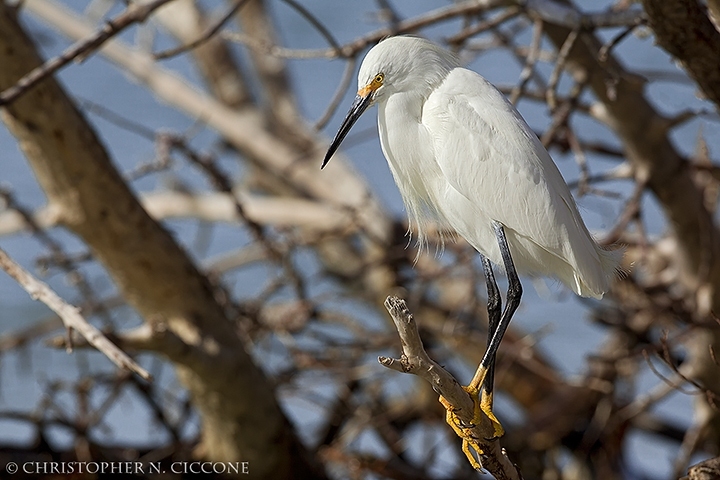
(462, 155)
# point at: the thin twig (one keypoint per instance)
(223, 183)
(57, 255)
(339, 93)
(388, 12)
(563, 15)
(352, 48)
(481, 27)
(206, 35)
(559, 65)
(322, 30)
(70, 315)
(135, 13)
(631, 211)
(530, 62)
(567, 16)
(581, 160)
(605, 50)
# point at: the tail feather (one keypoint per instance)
(600, 283)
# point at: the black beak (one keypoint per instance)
(358, 107)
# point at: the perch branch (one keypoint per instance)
(416, 361)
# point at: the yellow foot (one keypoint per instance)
(483, 422)
(485, 405)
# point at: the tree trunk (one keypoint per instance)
(242, 421)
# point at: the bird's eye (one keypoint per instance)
(379, 78)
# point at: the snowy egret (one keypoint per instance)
(462, 155)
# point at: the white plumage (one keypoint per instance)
(461, 153)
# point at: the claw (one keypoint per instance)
(482, 409)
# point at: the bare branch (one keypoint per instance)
(683, 28)
(307, 15)
(563, 53)
(480, 27)
(135, 13)
(610, 45)
(206, 35)
(567, 16)
(707, 470)
(314, 216)
(186, 21)
(356, 46)
(416, 361)
(531, 60)
(70, 315)
(339, 93)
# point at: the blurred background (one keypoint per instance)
(174, 195)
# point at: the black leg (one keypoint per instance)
(494, 309)
(512, 301)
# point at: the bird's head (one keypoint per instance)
(395, 65)
(404, 64)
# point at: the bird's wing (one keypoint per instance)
(489, 155)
